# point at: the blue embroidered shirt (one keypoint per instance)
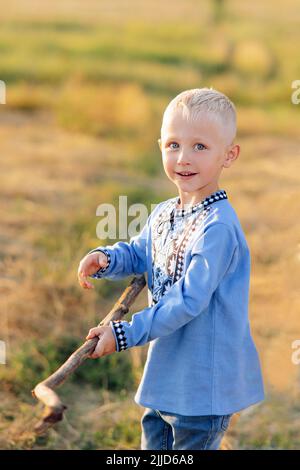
(202, 359)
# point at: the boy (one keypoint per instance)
(202, 364)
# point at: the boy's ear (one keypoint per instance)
(232, 154)
(159, 143)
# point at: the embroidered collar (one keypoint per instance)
(177, 215)
(216, 196)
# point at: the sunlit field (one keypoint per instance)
(86, 86)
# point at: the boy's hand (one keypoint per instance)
(106, 344)
(90, 264)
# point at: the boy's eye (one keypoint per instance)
(171, 143)
(202, 146)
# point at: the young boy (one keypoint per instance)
(202, 364)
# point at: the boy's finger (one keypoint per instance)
(81, 275)
(93, 332)
(98, 352)
(87, 285)
(82, 278)
(90, 336)
(95, 354)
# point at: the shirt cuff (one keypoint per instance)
(118, 330)
(99, 274)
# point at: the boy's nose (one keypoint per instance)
(183, 157)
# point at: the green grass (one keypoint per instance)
(36, 359)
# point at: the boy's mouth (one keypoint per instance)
(186, 174)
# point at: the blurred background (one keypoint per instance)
(86, 85)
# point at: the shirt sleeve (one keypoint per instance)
(126, 258)
(188, 297)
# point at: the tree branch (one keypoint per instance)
(44, 391)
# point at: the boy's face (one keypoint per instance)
(199, 146)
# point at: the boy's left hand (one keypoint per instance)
(106, 344)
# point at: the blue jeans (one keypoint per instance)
(170, 431)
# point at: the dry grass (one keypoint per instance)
(70, 140)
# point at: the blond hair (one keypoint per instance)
(197, 101)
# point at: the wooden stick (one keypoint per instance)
(44, 391)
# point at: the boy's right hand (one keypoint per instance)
(90, 264)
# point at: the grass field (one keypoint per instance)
(87, 84)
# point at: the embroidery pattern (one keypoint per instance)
(172, 231)
(120, 334)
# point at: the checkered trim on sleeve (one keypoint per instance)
(120, 334)
(101, 271)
